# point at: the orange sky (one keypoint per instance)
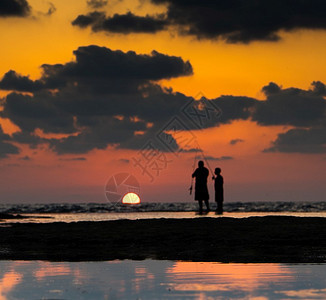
(219, 69)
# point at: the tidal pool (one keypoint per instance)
(152, 279)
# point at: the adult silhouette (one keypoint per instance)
(219, 193)
(201, 190)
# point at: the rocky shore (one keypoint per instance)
(255, 239)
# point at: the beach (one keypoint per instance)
(270, 239)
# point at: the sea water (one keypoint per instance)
(150, 279)
(161, 207)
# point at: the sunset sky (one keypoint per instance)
(93, 88)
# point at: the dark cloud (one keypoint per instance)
(234, 108)
(84, 21)
(213, 158)
(191, 150)
(236, 141)
(104, 97)
(13, 81)
(29, 138)
(100, 63)
(318, 88)
(240, 21)
(124, 160)
(51, 10)
(26, 157)
(271, 88)
(291, 106)
(108, 97)
(300, 140)
(99, 133)
(97, 3)
(14, 8)
(304, 109)
(74, 159)
(102, 70)
(125, 24)
(42, 111)
(6, 147)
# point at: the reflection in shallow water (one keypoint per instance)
(152, 279)
(226, 277)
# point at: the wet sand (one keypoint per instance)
(255, 239)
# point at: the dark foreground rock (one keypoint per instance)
(5, 216)
(255, 239)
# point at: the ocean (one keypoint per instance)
(161, 207)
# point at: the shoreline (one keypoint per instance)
(269, 239)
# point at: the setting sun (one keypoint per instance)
(131, 198)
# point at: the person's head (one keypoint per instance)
(218, 171)
(200, 164)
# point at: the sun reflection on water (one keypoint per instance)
(218, 276)
(8, 283)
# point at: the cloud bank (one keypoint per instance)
(102, 98)
(112, 98)
(6, 148)
(235, 21)
(240, 21)
(121, 23)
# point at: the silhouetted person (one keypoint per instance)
(219, 193)
(201, 190)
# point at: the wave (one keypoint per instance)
(161, 207)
